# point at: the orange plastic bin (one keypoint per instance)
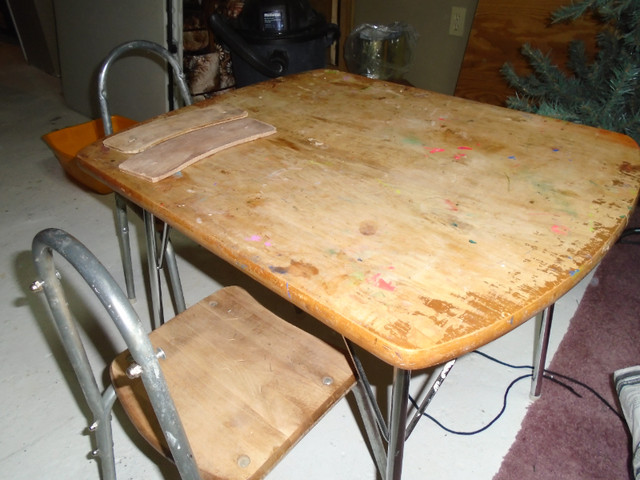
(67, 142)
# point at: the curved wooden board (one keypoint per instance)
(167, 158)
(148, 134)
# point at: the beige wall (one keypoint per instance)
(437, 55)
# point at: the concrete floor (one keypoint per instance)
(42, 417)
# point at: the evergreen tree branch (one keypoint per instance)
(578, 61)
(604, 92)
(569, 13)
(622, 85)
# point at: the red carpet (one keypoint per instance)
(567, 437)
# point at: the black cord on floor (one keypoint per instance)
(549, 375)
(495, 419)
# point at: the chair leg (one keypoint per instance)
(158, 255)
(122, 231)
(104, 436)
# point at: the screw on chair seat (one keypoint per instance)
(247, 385)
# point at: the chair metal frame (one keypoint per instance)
(126, 320)
(155, 256)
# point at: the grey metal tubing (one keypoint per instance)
(397, 423)
(122, 224)
(442, 374)
(389, 462)
(101, 427)
(374, 424)
(371, 428)
(117, 53)
(372, 404)
(109, 396)
(122, 227)
(154, 271)
(540, 355)
(174, 277)
(129, 326)
(74, 348)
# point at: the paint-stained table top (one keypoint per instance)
(418, 225)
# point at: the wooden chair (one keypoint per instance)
(224, 389)
(122, 224)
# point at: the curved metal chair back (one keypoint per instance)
(122, 222)
(129, 326)
(142, 45)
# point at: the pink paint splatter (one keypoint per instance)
(436, 150)
(452, 206)
(254, 238)
(380, 282)
(465, 148)
(560, 229)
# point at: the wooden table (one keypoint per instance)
(417, 225)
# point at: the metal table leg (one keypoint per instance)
(122, 227)
(394, 433)
(368, 415)
(540, 356)
(397, 423)
(154, 271)
(174, 275)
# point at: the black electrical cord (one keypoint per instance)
(548, 374)
(552, 376)
(495, 419)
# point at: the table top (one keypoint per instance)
(418, 225)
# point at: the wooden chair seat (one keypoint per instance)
(247, 385)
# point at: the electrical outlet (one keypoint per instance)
(456, 26)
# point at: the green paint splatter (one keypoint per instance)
(412, 141)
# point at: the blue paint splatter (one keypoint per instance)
(278, 269)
